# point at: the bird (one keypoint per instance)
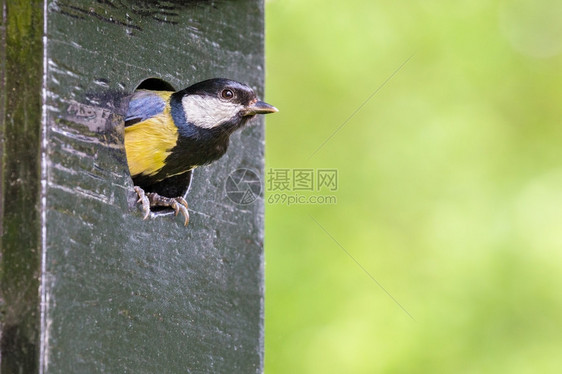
(169, 134)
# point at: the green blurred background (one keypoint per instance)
(449, 193)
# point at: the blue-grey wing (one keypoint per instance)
(144, 105)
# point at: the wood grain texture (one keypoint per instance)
(122, 294)
(20, 129)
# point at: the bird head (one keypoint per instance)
(218, 102)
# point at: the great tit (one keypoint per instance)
(168, 134)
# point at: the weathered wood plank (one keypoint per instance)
(21, 137)
(122, 294)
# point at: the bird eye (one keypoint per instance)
(227, 94)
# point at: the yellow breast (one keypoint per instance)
(149, 142)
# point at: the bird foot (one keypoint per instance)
(152, 199)
(144, 200)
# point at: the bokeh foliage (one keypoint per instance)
(450, 186)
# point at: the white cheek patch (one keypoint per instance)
(207, 111)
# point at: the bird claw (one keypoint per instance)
(144, 200)
(181, 207)
(151, 199)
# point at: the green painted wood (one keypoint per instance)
(87, 285)
(20, 133)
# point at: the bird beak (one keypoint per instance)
(259, 107)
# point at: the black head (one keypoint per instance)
(218, 101)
